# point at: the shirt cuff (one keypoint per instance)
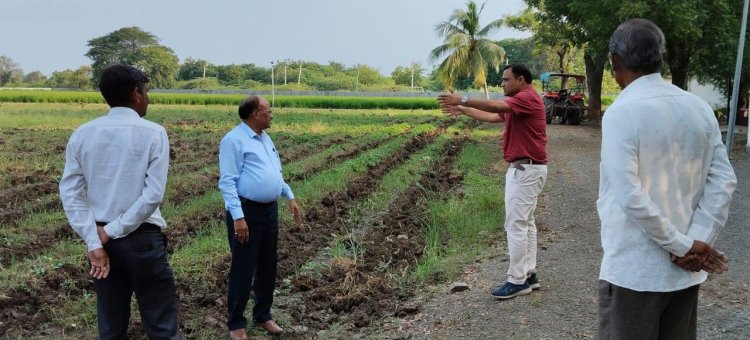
(701, 232)
(286, 192)
(237, 213)
(93, 242)
(681, 245)
(113, 230)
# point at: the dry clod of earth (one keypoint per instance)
(457, 287)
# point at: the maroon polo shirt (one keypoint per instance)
(525, 133)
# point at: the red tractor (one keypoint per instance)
(563, 100)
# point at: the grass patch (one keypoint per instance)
(464, 227)
(328, 102)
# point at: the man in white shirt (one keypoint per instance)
(664, 193)
(113, 183)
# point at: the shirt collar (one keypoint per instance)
(652, 78)
(121, 111)
(250, 132)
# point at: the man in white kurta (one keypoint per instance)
(665, 188)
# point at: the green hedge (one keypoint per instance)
(330, 102)
(608, 99)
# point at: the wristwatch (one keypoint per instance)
(464, 100)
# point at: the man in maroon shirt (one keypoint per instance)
(524, 148)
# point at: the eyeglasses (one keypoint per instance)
(269, 111)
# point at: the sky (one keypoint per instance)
(51, 35)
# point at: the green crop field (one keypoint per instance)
(395, 196)
(327, 102)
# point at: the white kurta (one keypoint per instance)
(665, 181)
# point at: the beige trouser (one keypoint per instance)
(522, 188)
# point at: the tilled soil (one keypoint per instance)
(23, 308)
(363, 291)
(298, 244)
(568, 263)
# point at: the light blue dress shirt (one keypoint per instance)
(250, 167)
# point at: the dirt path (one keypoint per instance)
(568, 263)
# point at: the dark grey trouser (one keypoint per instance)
(254, 263)
(627, 314)
(139, 265)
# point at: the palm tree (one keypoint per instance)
(469, 52)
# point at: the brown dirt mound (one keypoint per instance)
(44, 238)
(29, 194)
(22, 310)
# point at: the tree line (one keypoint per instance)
(134, 46)
(568, 36)
(702, 36)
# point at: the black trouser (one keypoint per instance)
(628, 314)
(255, 257)
(138, 265)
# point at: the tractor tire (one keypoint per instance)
(548, 109)
(574, 114)
(563, 114)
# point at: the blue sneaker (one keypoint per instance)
(533, 282)
(509, 290)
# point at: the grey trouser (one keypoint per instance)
(628, 314)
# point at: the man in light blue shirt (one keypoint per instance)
(664, 193)
(251, 182)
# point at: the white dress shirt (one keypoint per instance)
(665, 180)
(115, 172)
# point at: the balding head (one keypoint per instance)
(248, 105)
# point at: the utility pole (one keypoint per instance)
(357, 87)
(412, 75)
(299, 75)
(736, 86)
(273, 89)
(285, 62)
(204, 71)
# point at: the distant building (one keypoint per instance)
(709, 93)
(718, 101)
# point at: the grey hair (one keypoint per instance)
(640, 44)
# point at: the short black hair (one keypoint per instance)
(520, 70)
(118, 81)
(247, 106)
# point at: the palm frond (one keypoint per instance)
(446, 28)
(458, 16)
(439, 51)
(459, 40)
(487, 29)
(479, 71)
(491, 52)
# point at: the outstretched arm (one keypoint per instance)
(487, 105)
(477, 114)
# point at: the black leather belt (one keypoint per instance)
(141, 228)
(518, 162)
(251, 203)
